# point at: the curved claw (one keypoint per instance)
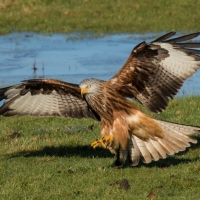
(105, 142)
(97, 143)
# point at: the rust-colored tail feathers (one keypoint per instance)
(175, 139)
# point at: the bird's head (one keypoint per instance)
(89, 86)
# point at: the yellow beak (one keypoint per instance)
(84, 91)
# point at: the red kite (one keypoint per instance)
(152, 75)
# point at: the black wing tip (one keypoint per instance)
(165, 38)
(183, 38)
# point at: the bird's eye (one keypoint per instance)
(88, 86)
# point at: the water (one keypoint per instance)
(56, 56)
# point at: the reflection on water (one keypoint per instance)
(28, 55)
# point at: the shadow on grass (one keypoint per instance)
(169, 161)
(87, 151)
(64, 151)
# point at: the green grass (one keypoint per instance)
(51, 158)
(97, 16)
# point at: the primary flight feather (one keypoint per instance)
(152, 75)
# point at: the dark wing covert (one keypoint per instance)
(155, 72)
(45, 97)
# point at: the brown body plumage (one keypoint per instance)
(152, 75)
(132, 132)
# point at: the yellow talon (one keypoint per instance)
(104, 142)
(97, 143)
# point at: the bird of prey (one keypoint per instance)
(152, 74)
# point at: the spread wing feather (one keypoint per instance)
(155, 72)
(45, 97)
(175, 140)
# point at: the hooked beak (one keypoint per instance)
(84, 91)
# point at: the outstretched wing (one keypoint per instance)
(155, 72)
(45, 97)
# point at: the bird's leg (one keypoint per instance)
(105, 141)
(121, 158)
(133, 152)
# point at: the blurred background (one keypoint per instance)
(73, 40)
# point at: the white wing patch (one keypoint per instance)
(34, 104)
(53, 104)
(178, 63)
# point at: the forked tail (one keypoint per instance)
(176, 138)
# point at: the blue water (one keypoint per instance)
(57, 56)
